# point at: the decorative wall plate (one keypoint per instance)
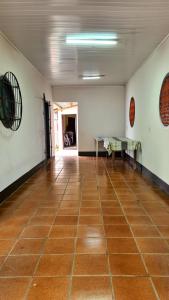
(164, 101)
(132, 112)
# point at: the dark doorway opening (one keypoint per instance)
(69, 131)
(47, 123)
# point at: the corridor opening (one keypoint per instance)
(66, 128)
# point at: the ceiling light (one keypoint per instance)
(91, 77)
(92, 39)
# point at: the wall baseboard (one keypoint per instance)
(100, 153)
(149, 175)
(16, 184)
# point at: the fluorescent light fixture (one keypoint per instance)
(91, 77)
(91, 42)
(90, 39)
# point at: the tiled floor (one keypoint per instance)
(82, 229)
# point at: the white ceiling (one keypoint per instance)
(38, 28)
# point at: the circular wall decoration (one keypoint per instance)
(132, 112)
(164, 101)
(10, 101)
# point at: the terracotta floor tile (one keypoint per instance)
(19, 266)
(66, 220)
(55, 265)
(131, 205)
(59, 246)
(161, 220)
(88, 188)
(6, 246)
(41, 220)
(88, 220)
(71, 197)
(90, 231)
(157, 264)
(28, 246)
(117, 231)
(121, 245)
(91, 245)
(120, 220)
(158, 211)
(47, 211)
(112, 211)
(47, 204)
(130, 197)
(69, 204)
(35, 231)
(91, 264)
(139, 220)
(134, 211)
(89, 288)
(133, 288)
(13, 288)
(49, 289)
(145, 231)
(68, 211)
(88, 211)
(58, 191)
(108, 198)
(126, 264)
(63, 231)
(51, 196)
(164, 230)
(10, 232)
(16, 222)
(123, 191)
(162, 287)
(2, 259)
(90, 204)
(105, 204)
(152, 245)
(90, 197)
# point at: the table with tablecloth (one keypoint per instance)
(113, 144)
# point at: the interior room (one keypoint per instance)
(66, 128)
(84, 139)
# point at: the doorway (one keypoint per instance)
(47, 127)
(69, 131)
(66, 128)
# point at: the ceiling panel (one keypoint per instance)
(38, 28)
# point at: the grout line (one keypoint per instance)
(37, 263)
(141, 254)
(74, 255)
(89, 181)
(107, 255)
(154, 289)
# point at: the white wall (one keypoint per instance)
(22, 150)
(101, 111)
(145, 87)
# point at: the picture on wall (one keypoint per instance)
(132, 112)
(164, 101)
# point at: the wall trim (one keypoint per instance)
(100, 153)
(149, 175)
(16, 184)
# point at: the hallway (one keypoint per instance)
(84, 230)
